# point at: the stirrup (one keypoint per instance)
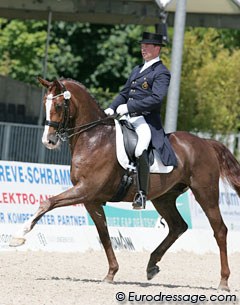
(139, 201)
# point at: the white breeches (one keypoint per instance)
(143, 131)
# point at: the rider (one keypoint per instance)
(140, 100)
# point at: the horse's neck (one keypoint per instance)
(88, 118)
(88, 111)
(98, 138)
(86, 121)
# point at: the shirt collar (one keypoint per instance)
(149, 63)
(152, 61)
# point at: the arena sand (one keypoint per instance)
(50, 278)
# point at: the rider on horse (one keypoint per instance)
(140, 100)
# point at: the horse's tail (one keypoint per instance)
(229, 165)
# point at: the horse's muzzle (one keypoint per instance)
(51, 141)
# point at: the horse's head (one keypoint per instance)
(70, 110)
(56, 102)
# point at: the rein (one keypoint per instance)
(87, 126)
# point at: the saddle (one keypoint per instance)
(126, 141)
(130, 139)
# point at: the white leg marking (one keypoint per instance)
(25, 228)
(18, 238)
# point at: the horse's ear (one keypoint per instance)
(58, 85)
(44, 82)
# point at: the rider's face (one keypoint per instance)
(149, 51)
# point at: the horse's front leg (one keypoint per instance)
(72, 196)
(98, 216)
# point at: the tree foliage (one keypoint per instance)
(106, 54)
(218, 94)
(21, 46)
(210, 88)
(22, 51)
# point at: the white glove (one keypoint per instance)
(109, 111)
(122, 109)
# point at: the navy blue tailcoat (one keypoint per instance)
(144, 93)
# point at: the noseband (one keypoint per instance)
(61, 127)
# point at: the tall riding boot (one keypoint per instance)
(143, 181)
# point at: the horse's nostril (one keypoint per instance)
(51, 142)
(52, 139)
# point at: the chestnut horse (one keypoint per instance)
(96, 174)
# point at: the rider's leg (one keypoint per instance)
(144, 138)
(140, 198)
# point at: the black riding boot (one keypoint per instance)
(143, 180)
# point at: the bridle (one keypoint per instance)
(61, 127)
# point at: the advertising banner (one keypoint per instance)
(23, 186)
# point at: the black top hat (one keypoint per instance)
(152, 38)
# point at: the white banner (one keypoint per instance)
(23, 186)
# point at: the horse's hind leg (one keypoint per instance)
(208, 199)
(99, 218)
(166, 207)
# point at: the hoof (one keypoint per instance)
(223, 285)
(108, 280)
(17, 241)
(151, 272)
(223, 288)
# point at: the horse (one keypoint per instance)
(73, 113)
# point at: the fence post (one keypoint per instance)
(6, 141)
(41, 148)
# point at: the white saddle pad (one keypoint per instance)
(157, 167)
